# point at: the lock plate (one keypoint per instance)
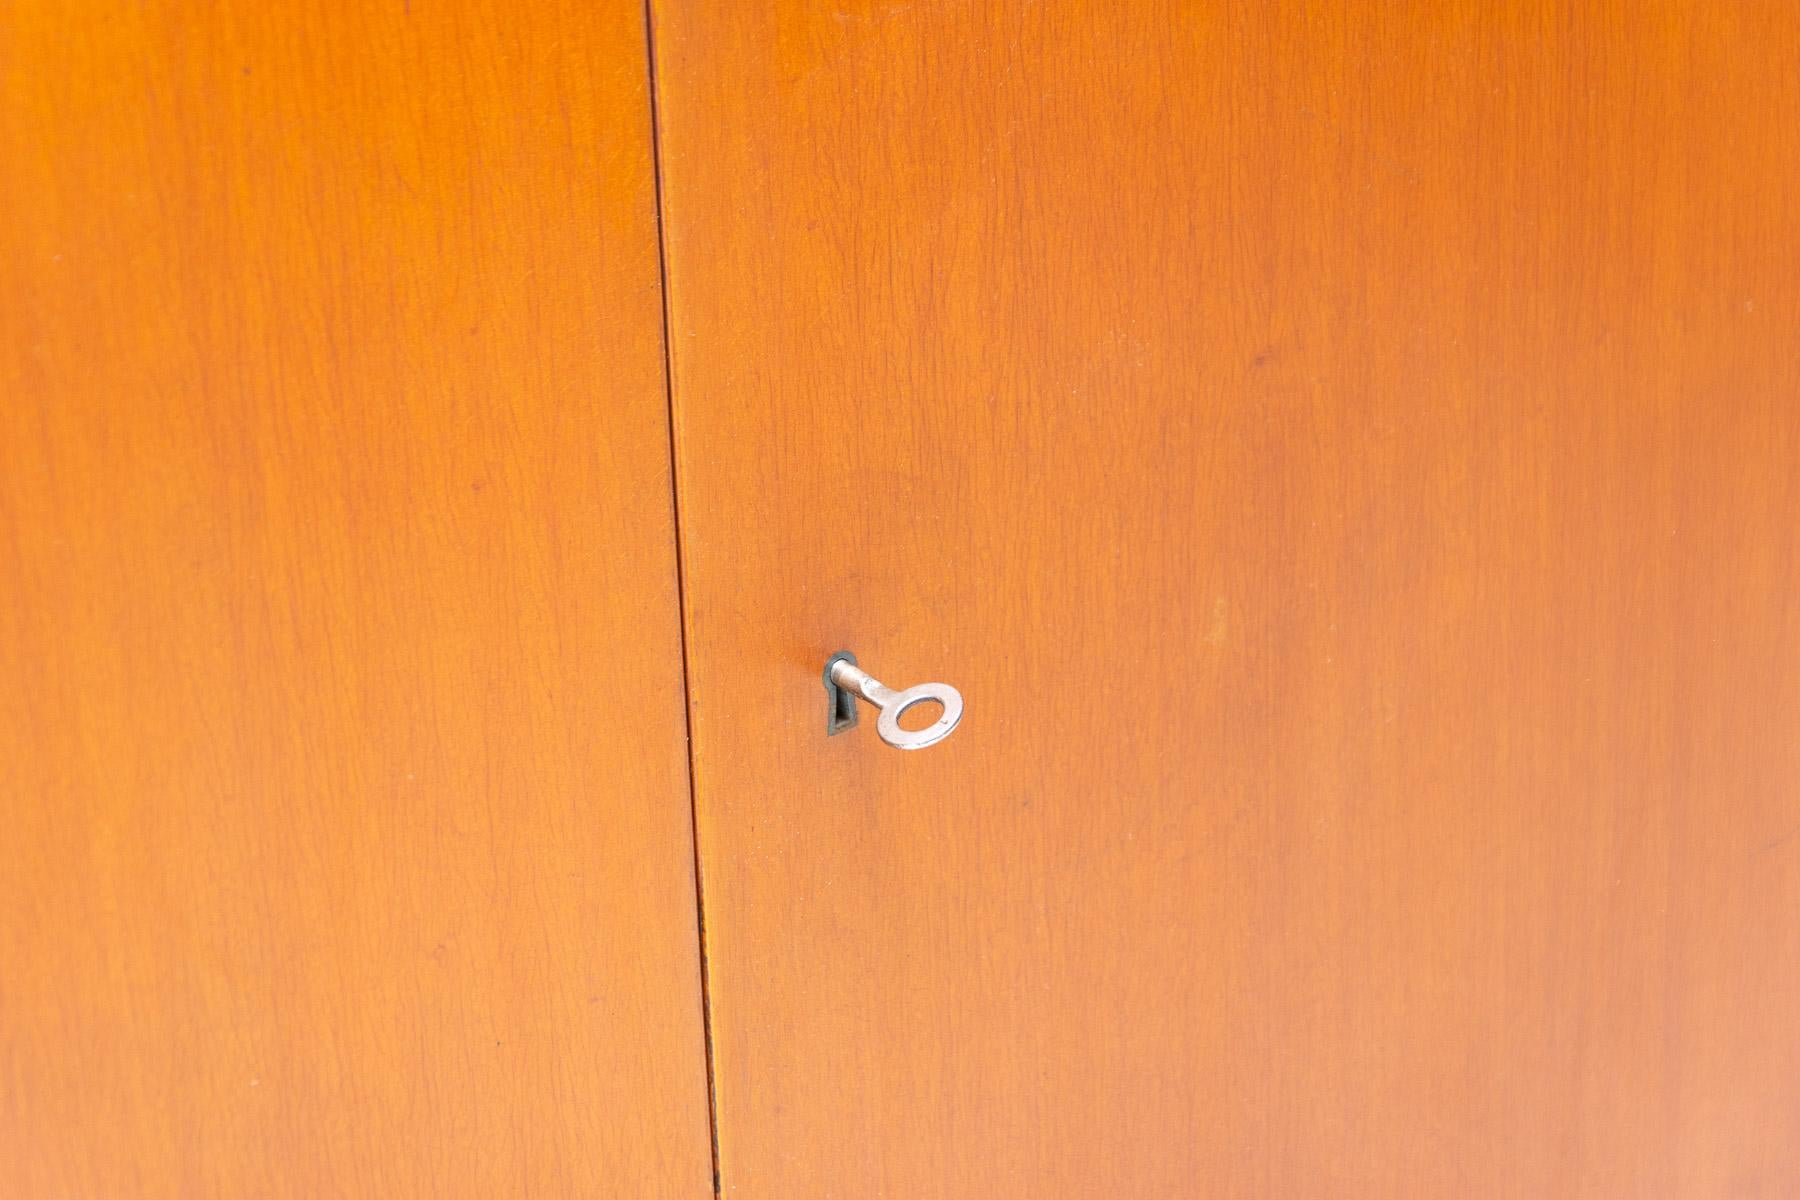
(841, 714)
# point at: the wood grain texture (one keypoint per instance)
(1348, 456)
(343, 800)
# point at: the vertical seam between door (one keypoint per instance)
(662, 260)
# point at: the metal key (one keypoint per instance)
(845, 681)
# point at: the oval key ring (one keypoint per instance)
(888, 725)
(844, 680)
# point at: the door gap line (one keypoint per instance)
(687, 685)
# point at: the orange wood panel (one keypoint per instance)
(1348, 456)
(343, 800)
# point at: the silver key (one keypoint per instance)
(845, 681)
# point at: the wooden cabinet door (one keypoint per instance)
(1348, 457)
(343, 800)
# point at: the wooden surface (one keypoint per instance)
(343, 801)
(1349, 459)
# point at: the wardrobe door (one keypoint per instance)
(1348, 459)
(343, 795)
